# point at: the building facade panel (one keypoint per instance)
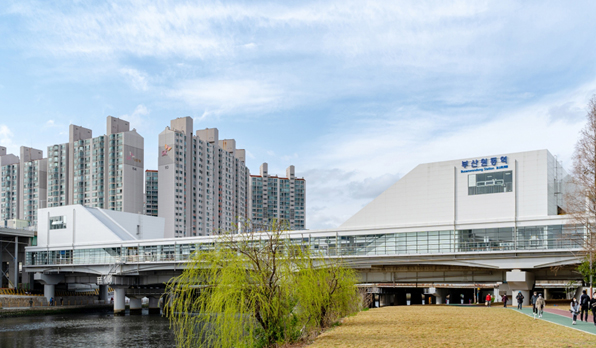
(202, 181)
(488, 188)
(101, 172)
(281, 199)
(151, 190)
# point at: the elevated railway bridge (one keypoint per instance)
(432, 265)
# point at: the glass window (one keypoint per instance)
(491, 182)
(57, 222)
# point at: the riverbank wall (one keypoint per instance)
(40, 311)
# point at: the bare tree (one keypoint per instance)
(581, 195)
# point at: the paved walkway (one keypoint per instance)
(561, 316)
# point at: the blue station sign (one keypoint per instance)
(484, 164)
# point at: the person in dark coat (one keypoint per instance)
(584, 303)
(505, 301)
(593, 306)
(520, 300)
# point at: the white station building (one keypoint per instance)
(486, 206)
(460, 228)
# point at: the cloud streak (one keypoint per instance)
(355, 94)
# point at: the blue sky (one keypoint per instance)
(353, 93)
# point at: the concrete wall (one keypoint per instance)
(91, 225)
(437, 193)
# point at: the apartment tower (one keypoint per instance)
(277, 198)
(151, 188)
(23, 184)
(202, 181)
(103, 172)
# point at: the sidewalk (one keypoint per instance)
(561, 317)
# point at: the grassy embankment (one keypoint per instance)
(448, 326)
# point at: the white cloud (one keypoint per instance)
(137, 79)
(402, 33)
(369, 156)
(6, 136)
(138, 118)
(288, 158)
(395, 84)
(221, 96)
(250, 155)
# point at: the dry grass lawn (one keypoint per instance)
(448, 326)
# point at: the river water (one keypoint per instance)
(101, 329)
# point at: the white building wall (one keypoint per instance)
(92, 225)
(437, 193)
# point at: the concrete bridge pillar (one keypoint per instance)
(119, 301)
(520, 281)
(49, 282)
(154, 305)
(136, 306)
(103, 293)
(48, 291)
(527, 297)
(440, 295)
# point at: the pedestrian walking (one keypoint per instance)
(584, 303)
(51, 301)
(520, 300)
(534, 298)
(574, 309)
(62, 301)
(540, 302)
(488, 300)
(505, 300)
(593, 306)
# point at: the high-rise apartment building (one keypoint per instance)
(151, 198)
(203, 181)
(277, 198)
(22, 184)
(103, 172)
(33, 182)
(9, 185)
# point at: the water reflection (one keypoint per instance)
(86, 330)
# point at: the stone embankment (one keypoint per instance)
(19, 301)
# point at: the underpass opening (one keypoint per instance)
(427, 294)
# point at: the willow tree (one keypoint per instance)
(581, 197)
(257, 290)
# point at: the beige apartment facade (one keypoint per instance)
(101, 172)
(23, 184)
(202, 181)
